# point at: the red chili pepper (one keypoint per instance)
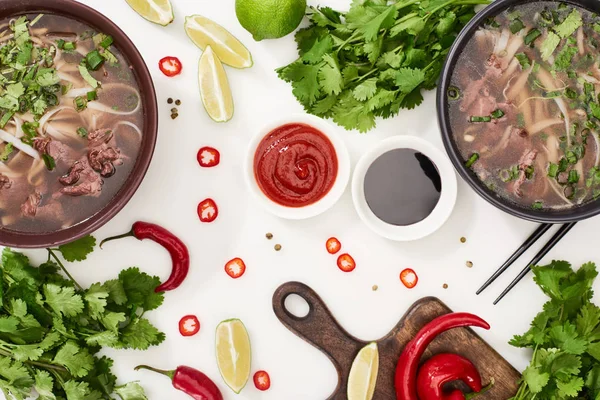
(346, 263)
(406, 369)
(189, 325)
(208, 157)
(170, 66)
(208, 210)
(262, 381)
(235, 268)
(443, 368)
(177, 249)
(409, 278)
(333, 245)
(190, 381)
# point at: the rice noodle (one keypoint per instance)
(511, 93)
(46, 118)
(67, 77)
(597, 161)
(547, 81)
(77, 92)
(502, 41)
(512, 48)
(130, 124)
(34, 175)
(580, 45)
(502, 143)
(95, 105)
(25, 148)
(5, 38)
(543, 124)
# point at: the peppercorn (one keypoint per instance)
(170, 100)
(173, 110)
(375, 287)
(174, 115)
(463, 239)
(469, 264)
(178, 102)
(269, 236)
(445, 286)
(277, 247)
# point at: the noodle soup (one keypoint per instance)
(524, 108)
(71, 122)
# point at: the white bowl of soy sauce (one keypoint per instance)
(404, 188)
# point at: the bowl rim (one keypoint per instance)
(81, 12)
(442, 210)
(323, 204)
(544, 216)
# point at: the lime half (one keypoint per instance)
(205, 32)
(363, 374)
(270, 19)
(157, 11)
(233, 353)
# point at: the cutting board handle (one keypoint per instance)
(318, 327)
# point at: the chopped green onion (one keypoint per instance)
(8, 149)
(107, 41)
(529, 172)
(60, 44)
(69, 46)
(505, 175)
(49, 161)
(91, 96)
(5, 118)
(474, 157)
(552, 170)
(562, 164)
(497, 114)
(571, 157)
(475, 118)
(570, 93)
(523, 60)
(81, 131)
(85, 74)
(531, 36)
(94, 60)
(64, 89)
(30, 129)
(537, 205)
(516, 25)
(573, 176)
(453, 93)
(80, 103)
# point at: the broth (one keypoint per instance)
(69, 161)
(523, 105)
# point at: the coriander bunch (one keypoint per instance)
(373, 60)
(51, 329)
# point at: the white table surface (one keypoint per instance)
(175, 184)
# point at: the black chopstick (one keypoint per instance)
(562, 231)
(538, 233)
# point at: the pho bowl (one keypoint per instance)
(524, 142)
(84, 128)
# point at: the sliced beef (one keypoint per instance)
(5, 182)
(89, 183)
(30, 206)
(103, 158)
(55, 149)
(99, 137)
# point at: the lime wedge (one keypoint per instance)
(363, 374)
(214, 87)
(233, 353)
(157, 11)
(205, 32)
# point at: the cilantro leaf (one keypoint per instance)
(75, 359)
(79, 249)
(318, 50)
(76, 390)
(385, 20)
(408, 79)
(330, 76)
(365, 90)
(116, 292)
(131, 391)
(14, 371)
(140, 335)
(44, 385)
(8, 324)
(570, 388)
(139, 289)
(95, 298)
(535, 379)
(564, 58)
(63, 300)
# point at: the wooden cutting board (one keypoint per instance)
(320, 329)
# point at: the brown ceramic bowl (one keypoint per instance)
(81, 12)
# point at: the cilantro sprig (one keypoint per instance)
(375, 59)
(51, 329)
(565, 337)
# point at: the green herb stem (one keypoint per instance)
(60, 264)
(47, 366)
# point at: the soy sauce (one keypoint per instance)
(402, 187)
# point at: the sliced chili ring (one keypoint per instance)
(235, 268)
(262, 381)
(208, 157)
(346, 263)
(189, 325)
(170, 66)
(333, 245)
(208, 210)
(409, 278)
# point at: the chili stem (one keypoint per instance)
(60, 264)
(170, 374)
(124, 235)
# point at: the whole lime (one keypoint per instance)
(270, 19)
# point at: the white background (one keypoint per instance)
(175, 184)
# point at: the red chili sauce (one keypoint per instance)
(295, 165)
